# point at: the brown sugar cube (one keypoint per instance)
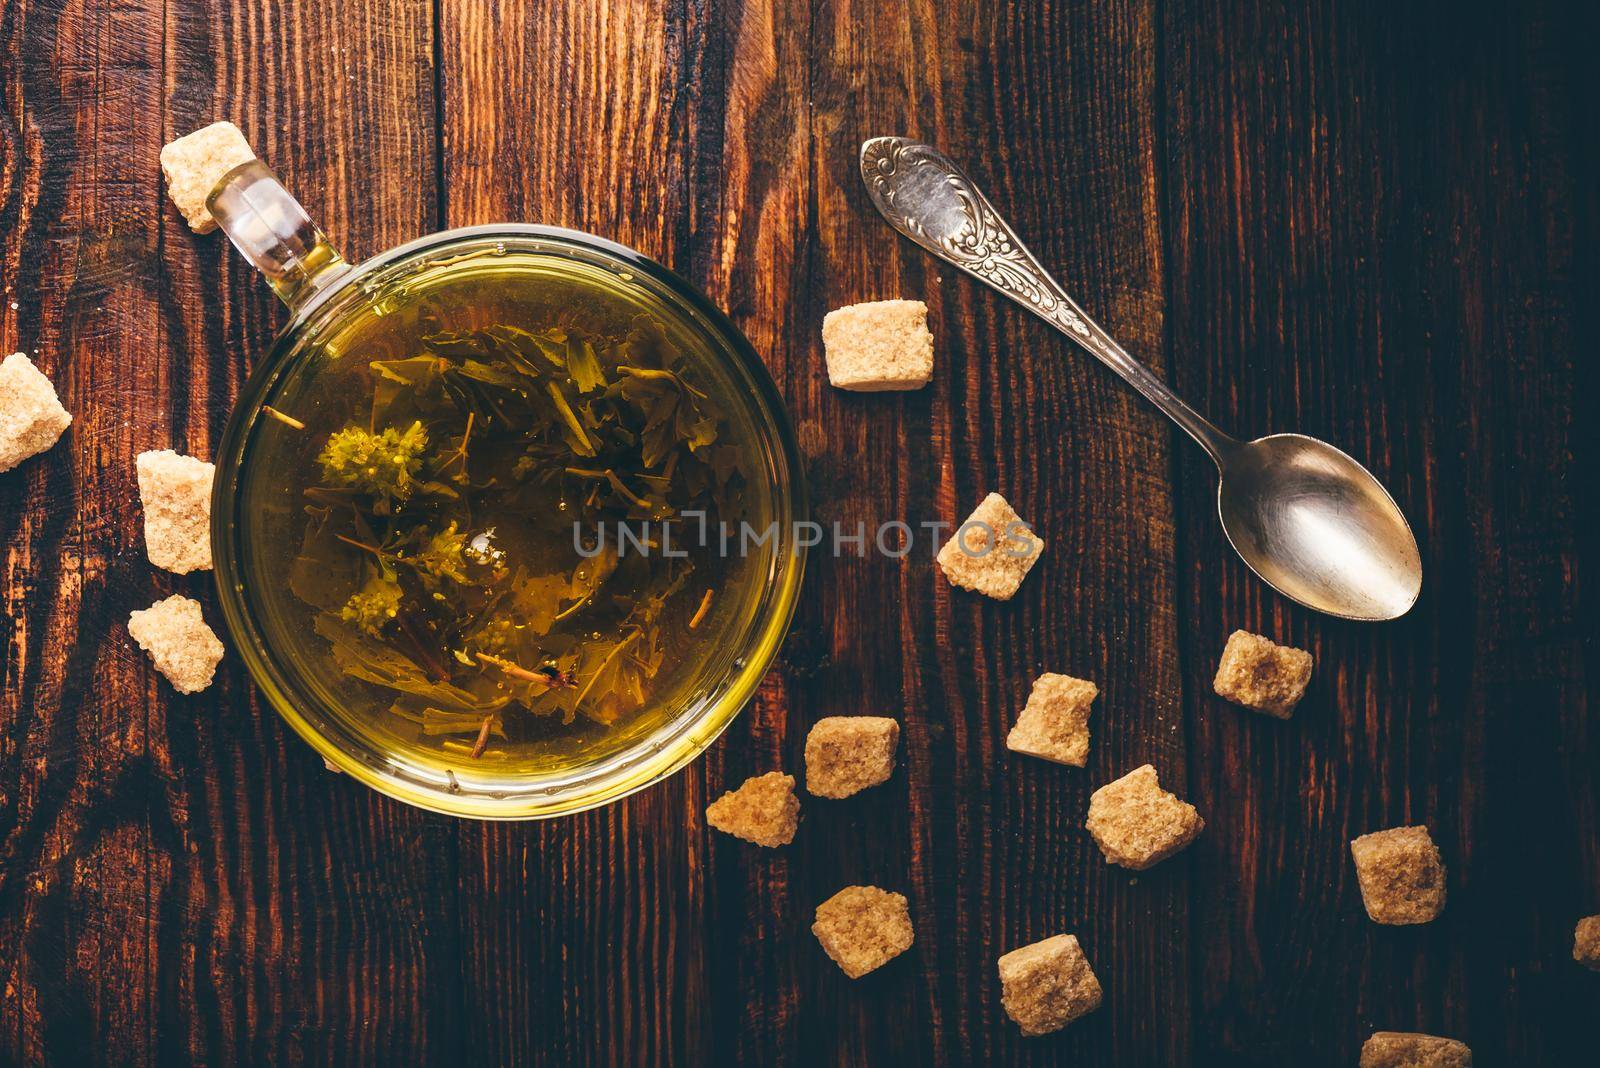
(1399, 1049)
(992, 551)
(863, 928)
(1260, 674)
(1047, 985)
(1137, 824)
(1586, 942)
(847, 754)
(1054, 724)
(176, 493)
(1401, 875)
(31, 416)
(178, 640)
(878, 346)
(196, 162)
(764, 810)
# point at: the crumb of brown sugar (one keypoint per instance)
(763, 810)
(1260, 674)
(196, 162)
(1401, 874)
(178, 640)
(1047, 985)
(992, 551)
(31, 416)
(847, 754)
(1586, 942)
(862, 928)
(880, 345)
(1399, 1049)
(1138, 824)
(1054, 724)
(176, 493)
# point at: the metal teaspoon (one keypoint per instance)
(1307, 518)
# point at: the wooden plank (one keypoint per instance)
(580, 937)
(751, 203)
(77, 777)
(989, 849)
(1379, 220)
(167, 896)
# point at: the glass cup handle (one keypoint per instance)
(270, 228)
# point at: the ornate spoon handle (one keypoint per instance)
(929, 199)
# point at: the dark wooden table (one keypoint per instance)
(1375, 223)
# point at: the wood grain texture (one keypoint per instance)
(180, 880)
(990, 851)
(1377, 226)
(578, 934)
(1396, 270)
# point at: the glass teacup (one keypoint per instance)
(254, 501)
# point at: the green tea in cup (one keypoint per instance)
(506, 516)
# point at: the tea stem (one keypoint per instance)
(373, 549)
(700, 613)
(286, 420)
(483, 737)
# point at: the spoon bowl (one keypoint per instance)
(1318, 527)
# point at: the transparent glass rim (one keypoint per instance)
(645, 762)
